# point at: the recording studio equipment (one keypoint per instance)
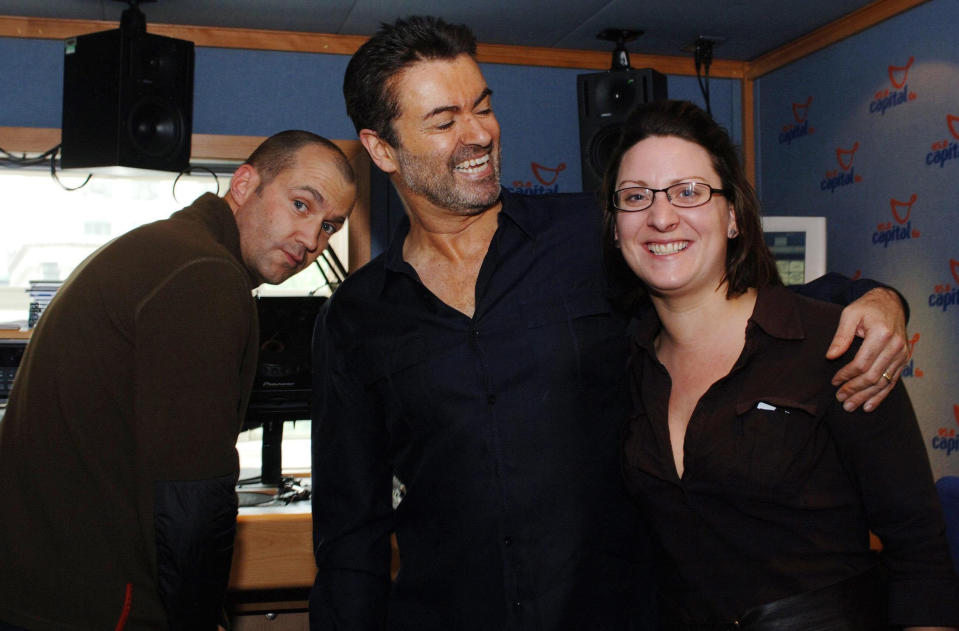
(702, 50)
(283, 384)
(127, 99)
(605, 98)
(11, 352)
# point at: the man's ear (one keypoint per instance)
(244, 182)
(380, 151)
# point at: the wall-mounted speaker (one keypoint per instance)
(605, 99)
(127, 101)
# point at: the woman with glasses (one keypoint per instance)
(761, 490)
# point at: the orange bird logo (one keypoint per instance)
(547, 175)
(898, 74)
(800, 110)
(953, 123)
(898, 206)
(912, 344)
(846, 156)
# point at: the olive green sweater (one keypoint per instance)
(117, 450)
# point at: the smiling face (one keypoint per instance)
(285, 224)
(673, 250)
(448, 151)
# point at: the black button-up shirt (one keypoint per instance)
(781, 486)
(505, 429)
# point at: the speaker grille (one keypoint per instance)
(605, 100)
(155, 127)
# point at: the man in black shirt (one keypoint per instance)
(478, 360)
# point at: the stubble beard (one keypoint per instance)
(438, 184)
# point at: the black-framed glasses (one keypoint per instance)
(683, 195)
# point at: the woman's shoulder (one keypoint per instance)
(814, 322)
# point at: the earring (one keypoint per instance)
(732, 233)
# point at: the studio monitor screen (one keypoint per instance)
(127, 101)
(605, 98)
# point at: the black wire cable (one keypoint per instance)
(335, 268)
(326, 279)
(189, 171)
(703, 57)
(334, 262)
(53, 172)
(10, 160)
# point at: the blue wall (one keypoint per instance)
(866, 133)
(246, 92)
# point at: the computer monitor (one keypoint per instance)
(282, 388)
(798, 245)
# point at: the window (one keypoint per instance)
(48, 231)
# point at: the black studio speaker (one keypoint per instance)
(127, 101)
(605, 98)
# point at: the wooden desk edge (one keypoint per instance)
(273, 551)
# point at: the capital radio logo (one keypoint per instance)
(946, 295)
(942, 151)
(901, 228)
(546, 178)
(946, 439)
(845, 175)
(799, 126)
(899, 94)
(910, 370)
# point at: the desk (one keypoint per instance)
(274, 548)
(273, 568)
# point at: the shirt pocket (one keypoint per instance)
(575, 336)
(392, 369)
(777, 446)
(404, 376)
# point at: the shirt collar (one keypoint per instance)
(527, 222)
(776, 313)
(393, 257)
(216, 216)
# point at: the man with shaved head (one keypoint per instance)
(118, 464)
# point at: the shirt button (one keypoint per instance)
(474, 332)
(517, 604)
(491, 399)
(507, 541)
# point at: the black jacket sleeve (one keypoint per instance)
(195, 527)
(838, 289)
(887, 459)
(352, 478)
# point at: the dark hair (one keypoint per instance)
(368, 87)
(749, 262)
(278, 152)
